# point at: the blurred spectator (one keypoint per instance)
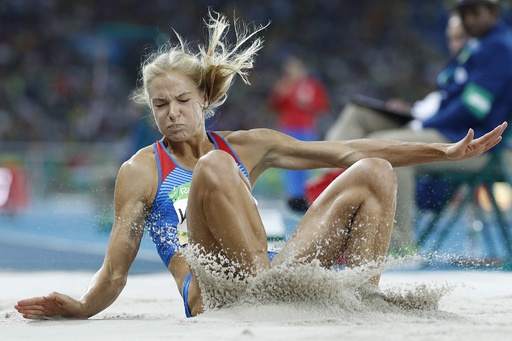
(298, 99)
(474, 92)
(67, 67)
(419, 111)
(425, 108)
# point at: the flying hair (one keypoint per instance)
(212, 67)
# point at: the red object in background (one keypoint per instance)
(297, 97)
(315, 187)
(300, 104)
(13, 189)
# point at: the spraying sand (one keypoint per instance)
(305, 302)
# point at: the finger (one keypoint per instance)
(34, 312)
(470, 135)
(504, 125)
(468, 138)
(498, 140)
(498, 130)
(39, 311)
(30, 306)
(488, 137)
(34, 317)
(36, 304)
(29, 313)
(32, 301)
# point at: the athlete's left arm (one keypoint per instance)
(265, 148)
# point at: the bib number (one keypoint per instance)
(179, 197)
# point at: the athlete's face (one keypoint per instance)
(478, 19)
(177, 106)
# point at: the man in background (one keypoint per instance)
(473, 91)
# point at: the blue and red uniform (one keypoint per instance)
(166, 222)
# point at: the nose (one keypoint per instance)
(174, 111)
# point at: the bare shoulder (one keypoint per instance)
(258, 136)
(140, 162)
(139, 174)
(257, 147)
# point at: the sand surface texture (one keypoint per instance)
(418, 305)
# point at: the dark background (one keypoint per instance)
(67, 67)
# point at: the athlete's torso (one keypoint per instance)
(167, 223)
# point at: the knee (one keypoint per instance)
(214, 170)
(378, 174)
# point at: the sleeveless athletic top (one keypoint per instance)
(167, 223)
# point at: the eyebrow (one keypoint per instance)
(175, 96)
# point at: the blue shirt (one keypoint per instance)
(476, 87)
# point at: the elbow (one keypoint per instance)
(120, 281)
(116, 277)
(349, 158)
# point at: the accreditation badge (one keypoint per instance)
(179, 197)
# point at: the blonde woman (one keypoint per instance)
(193, 187)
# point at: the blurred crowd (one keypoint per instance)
(67, 68)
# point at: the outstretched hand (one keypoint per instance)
(52, 305)
(469, 147)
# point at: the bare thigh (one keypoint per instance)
(222, 214)
(354, 215)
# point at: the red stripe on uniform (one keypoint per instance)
(223, 145)
(166, 164)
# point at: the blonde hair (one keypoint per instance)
(212, 68)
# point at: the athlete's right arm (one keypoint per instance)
(135, 186)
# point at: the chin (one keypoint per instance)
(177, 136)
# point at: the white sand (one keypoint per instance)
(150, 308)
